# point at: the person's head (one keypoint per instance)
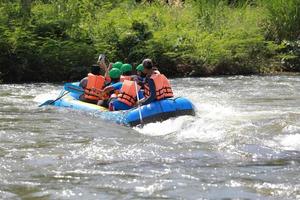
(117, 65)
(114, 74)
(95, 69)
(139, 70)
(148, 66)
(126, 69)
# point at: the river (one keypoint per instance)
(243, 143)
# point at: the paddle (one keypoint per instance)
(69, 87)
(101, 58)
(73, 88)
(102, 63)
(139, 107)
(49, 102)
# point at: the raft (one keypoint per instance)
(153, 112)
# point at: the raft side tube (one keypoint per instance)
(153, 112)
(161, 110)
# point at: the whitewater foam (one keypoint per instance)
(211, 123)
(46, 96)
(289, 142)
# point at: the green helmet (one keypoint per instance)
(114, 73)
(126, 68)
(117, 65)
(140, 68)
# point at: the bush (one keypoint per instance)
(61, 39)
(282, 22)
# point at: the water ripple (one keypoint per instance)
(243, 143)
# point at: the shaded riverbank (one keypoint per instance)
(50, 41)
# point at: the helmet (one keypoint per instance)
(114, 73)
(140, 67)
(117, 65)
(126, 68)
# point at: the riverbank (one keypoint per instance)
(59, 40)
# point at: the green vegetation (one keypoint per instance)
(55, 40)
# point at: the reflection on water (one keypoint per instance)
(243, 143)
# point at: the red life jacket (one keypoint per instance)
(122, 78)
(128, 93)
(94, 84)
(162, 87)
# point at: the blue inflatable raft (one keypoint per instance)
(153, 112)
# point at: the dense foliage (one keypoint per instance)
(55, 40)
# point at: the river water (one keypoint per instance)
(244, 143)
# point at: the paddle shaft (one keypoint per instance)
(53, 101)
(72, 88)
(138, 98)
(77, 89)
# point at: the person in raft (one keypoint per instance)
(95, 82)
(92, 84)
(112, 88)
(126, 96)
(156, 85)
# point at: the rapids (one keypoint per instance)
(243, 143)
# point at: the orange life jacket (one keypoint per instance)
(94, 84)
(162, 87)
(128, 93)
(122, 78)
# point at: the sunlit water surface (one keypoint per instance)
(244, 143)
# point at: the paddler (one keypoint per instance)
(94, 82)
(91, 84)
(127, 97)
(123, 95)
(156, 86)
(112, 88)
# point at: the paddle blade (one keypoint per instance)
(73, 88)
(48, 102)
(101, 58)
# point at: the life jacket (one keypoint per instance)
(94, 85)
(128, 93)
(122, 78)
(162, 87)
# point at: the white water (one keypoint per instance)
(244, 143)
(225, 115)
